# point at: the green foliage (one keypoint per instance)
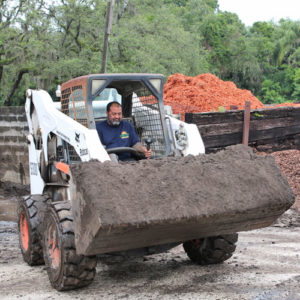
(271, 92)
(154, 41)
(296, 91)
(258, 115)
(264, 29)
(44, 43)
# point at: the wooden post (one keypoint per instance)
(108, 27)
(246, 126)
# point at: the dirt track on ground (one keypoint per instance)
(265, 266)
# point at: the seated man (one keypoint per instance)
(115, 132)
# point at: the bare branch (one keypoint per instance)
(8, 100)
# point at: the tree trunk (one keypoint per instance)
(8, 100)
(1, 73)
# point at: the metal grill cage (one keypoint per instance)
(147, 120)
(73, 156)
(65, 100)
(139, 105)
(73, 104)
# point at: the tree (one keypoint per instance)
(153, 40)
(23, 38)
(231, 55)
(276, 48)
(288, 41)
(271, 92)
(44, 43)
(296, 92)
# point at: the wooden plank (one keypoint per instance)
(266, 126)
(214, 118)
(221, 129)
(234, 138)
(222, 140)
(274, 113)
(236, 116)
(274, 133)
(274, 123)
(255, 125)
(246, 125)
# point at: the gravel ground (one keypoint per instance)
(265, 266)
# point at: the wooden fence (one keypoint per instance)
(269, 129)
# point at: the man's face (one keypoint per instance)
(114, 116)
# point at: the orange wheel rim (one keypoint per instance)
(24, 232)
(54, 252)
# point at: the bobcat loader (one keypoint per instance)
(83, 204)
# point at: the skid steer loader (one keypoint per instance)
(82, 204)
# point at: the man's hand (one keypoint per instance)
(140, 148)
(147, 153)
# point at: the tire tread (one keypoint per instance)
(76, 270)
(211, 250)
(34, 255)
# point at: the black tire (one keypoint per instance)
(211, 250)
(30, 217)
(66, 269)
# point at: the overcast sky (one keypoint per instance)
(250, 11)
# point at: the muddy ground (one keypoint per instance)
(265, 266)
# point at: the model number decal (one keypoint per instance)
(83, 152)
(34, 169)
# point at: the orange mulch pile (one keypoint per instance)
(286, 104)
(206, 92)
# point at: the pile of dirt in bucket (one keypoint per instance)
(233, 189)
(238, 174)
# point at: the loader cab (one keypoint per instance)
(141, 96)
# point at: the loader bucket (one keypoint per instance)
(126, 206)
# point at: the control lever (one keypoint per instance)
(148, 142)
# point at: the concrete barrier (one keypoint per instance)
(13, 147)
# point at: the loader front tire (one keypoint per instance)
(28, 225)
(211, 250)
(66, 269)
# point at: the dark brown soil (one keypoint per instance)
(233, 189)
(11, 189)
(181, 186)
(289, 163)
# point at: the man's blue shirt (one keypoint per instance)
(122, 135)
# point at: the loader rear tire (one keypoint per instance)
(211, 250)
(29, 237)
(66, 269)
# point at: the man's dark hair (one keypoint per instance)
(112, 103)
